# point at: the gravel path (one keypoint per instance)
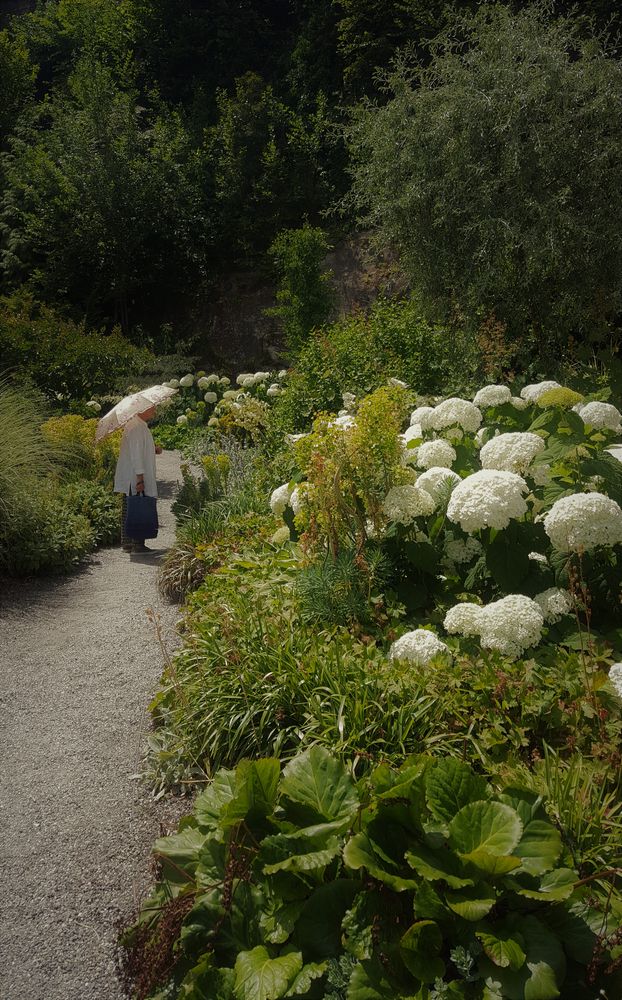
(78, 664)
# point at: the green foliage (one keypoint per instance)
(360, 352)
(17, 77)
(304, 294)
(72, 440)
(43, 535)
(422, 878)
(62, 357)
(490, 170)
(98, 505)
(26, 457)
(198, 490)
(338, 591)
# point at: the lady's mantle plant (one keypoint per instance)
(420, 882)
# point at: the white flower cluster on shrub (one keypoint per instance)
(510, 625)
(582, 521)
(554, 603)
(615, 677)
(280, 498)
(435, 453)
(418, 647)
(455, 411)
(438, 482)
(511, 452)
(602, 416)
(461, 551)
(488, 498)
(403, 504)
(492, 395)
(531, 393)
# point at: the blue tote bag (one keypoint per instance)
(141, 519)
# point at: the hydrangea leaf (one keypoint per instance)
(438, 865)
(259, 977)
(541, 975)
(359, 853)
(256, 783)
(505, 949)
(304, 979)
(296, 854)
(485, 826)
(419, 950)
(473, 902)
(450, 785)
(318, 929)
(319, 788)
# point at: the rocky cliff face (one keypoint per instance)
(236, 331)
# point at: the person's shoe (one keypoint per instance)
(128, 547)
(140, 547)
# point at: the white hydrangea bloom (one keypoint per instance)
(210, 397)
(554, 603)
(282, 373)
(615, 451)
(541, 474)
(461, 551)
(453, 433)
(481, 435)
(224, 380)
(488, 498)
(243, 378)
(435, 453)
(582, 521)
(512, 452)
(422, 416)
(174, 383)
(403, 504)
(229, 394)
(511, 625)
(261, 377)
(298, 497)
(349, 400)
(412, 433)
(398, 383)
(212, 422)
(615, 676)
(603, 416)
(187, 381)
(492, 395)
(533, 392)
(518, 403)
(281, 535)
(418, 647)
(344, 421)
(212, 379)
(456, 411)
(94, 405)
(203, 382)
(182, 419)
(463, 619)
(438, 481)
(279, 499)
(273, 390)
(538, 557)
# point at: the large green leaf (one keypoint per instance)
(439, 865)
(359, 853)
(297, 854)
(451, 784)
(556, 885)
(420, 947)
(179, 854)
(491, 827)
(259, 977)
(472, 902)
(256, 783)
(539, 847)
(318, 788)
(305, 978)
(206, 982)
(428, 904)
(541, 975)
(278, 919)
(209, 802)
(422, 556)
(503, 947)
(369, 981)
(318, 929)
(528, 805)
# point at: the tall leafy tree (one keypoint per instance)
(103, 207)
(496, 170)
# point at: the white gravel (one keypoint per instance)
(79, 663)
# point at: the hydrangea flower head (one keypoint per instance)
(187, 381)
(458, 411)
(533, 392)
(463, 619)
(182, 419)
(511, 625)
(602, 416)
(487, 499)
(273, 390)
(210, 397)
(615, 676)
(461, 551)
(582, 521)
(279, 499)
(418, 647)
(512, 452)
(554, 603)
(422, 416)
(563, 397)
(438, 481)
(403, 504)
(492, 395)
(94, 405)
(435, 453)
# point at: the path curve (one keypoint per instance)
(79, 663)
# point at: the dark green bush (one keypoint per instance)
(304, 296)
(44, 536)
(98, 505)
(362, 351)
